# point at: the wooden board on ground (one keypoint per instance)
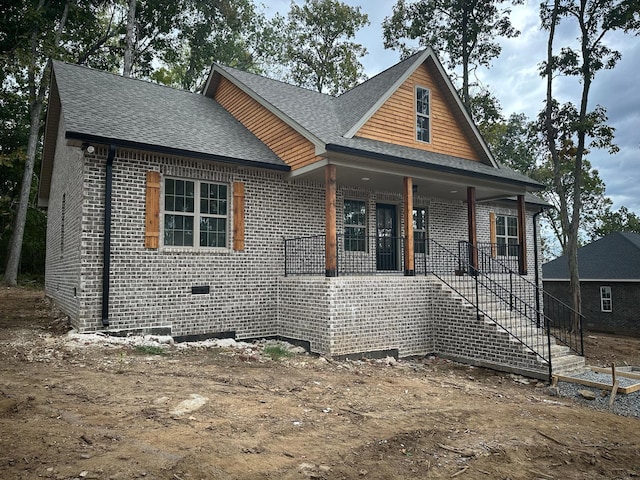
(600, 385)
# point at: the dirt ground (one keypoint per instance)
(100, 412)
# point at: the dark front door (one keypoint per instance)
(387, 241)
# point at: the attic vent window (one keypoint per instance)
(423, 114)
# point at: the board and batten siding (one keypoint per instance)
(294, 149)
(395, 120)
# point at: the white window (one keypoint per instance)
(195, 213)
(507, 236)
(420, 230)
(355, 226)
(423, 114)
(605, 299)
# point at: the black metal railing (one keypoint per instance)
(505, 254)
(492, 294)
(357, 255)
(531, 301)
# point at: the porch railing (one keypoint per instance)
(529, 300)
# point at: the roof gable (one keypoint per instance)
(614, 257)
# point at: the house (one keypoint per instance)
(261, 209)
(609, 270)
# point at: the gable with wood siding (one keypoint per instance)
(395, 120)
(293, 148)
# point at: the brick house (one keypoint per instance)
(609, 270)
(260, 209)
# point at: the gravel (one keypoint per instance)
(624, 404)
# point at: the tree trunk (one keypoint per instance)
(128, 50)
(36, 100)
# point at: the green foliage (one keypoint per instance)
(276, 352)
(463, 33)
(319, 46)
(150, 350)
(621, 220)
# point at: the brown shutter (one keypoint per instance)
(152, 212)
(492, 233)
(238, 216)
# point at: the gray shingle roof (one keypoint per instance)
(100, 105)
(328, 119)
(616, 256)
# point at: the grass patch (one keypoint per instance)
(276, 352)
(149, 350)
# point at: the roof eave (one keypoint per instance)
(427, 166)
(173, 151)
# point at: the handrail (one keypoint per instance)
(563, 322)
(493, 296)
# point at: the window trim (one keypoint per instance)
(506, 235)
(346, 225)
(424, 230)
(196, 215)
(422, 115)
(606, 289)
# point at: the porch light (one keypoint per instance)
(453, 191)
(366, 179)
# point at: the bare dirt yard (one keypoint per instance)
(73, 410)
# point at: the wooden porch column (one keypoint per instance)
(409, 254)
(330, 246)
(522, 236)
(472, 226)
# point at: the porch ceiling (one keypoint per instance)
(376, 175)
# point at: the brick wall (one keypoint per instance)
(64, 229)
(624, 318)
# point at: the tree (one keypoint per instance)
(621, 220)
(462, 32)
(577, 126)
(56, 29)
(320, 49)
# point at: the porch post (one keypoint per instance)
(409, 254)
(522, 236)
(330, 246)
(473, 234)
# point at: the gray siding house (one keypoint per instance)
(360, 224)
(609, 270)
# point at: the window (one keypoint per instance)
(420, 230)
(507, 235)
(605, 299)
(195, 210)
(423, 114)
(355, 227)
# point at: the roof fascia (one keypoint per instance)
(52, 124)
(318, 143)
(173, 151)
(365, 118)
(420, 59)
(427, 166)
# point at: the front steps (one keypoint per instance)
(517, 329)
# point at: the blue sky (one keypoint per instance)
(514, 79)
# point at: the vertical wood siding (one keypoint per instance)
(395, 120)
(295, 150)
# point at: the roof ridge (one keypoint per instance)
(122, 77)
(368, 80)
(277, 81)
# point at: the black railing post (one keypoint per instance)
(285, 257)
(511, 290)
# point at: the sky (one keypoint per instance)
(513, 78)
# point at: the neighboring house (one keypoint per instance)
(609, 270)
(260, 209)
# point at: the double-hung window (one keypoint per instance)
(195, 213)
(420, 230)
(507, 235)
(423, 114)
(355, 226)
(605, 299)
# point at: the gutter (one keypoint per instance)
(332, 147)
(106, 247)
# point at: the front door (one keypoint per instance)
(387, 241)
